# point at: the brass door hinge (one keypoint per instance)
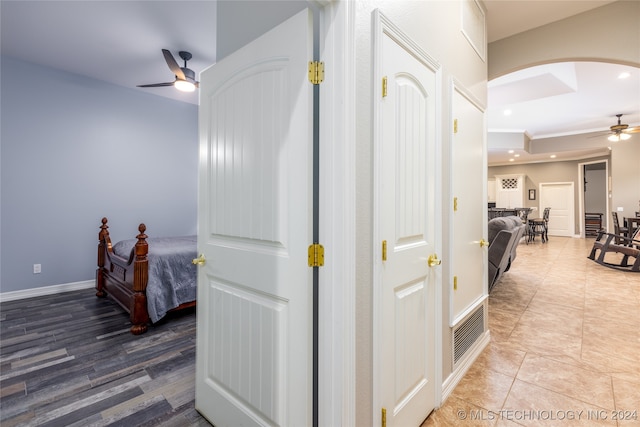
(455, 283)
(383, 420)
(455, 125)
(316, 255)
(384, 250)
(316, 72)
(455, 204)
(384, 86)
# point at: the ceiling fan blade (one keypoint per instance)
(173, 65)
(599, 134)
(634, 129)
(157, 84)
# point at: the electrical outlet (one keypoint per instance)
(37, 268)
(620, 209)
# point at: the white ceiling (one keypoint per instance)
(551, 102)
(565, 109)
(120, 42)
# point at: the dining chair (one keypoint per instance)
(617, 228)
(539, 226)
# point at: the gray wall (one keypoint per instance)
(257, 17)
(73, 150)
(625, 176)
(605, 34)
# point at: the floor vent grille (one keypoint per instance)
(466, 334)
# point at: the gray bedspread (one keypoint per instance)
(172, 276)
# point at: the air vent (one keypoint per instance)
(466, 334)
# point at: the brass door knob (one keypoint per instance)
(483, 243)
(433, 260)
(199, 261)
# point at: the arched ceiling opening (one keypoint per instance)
(561, 108)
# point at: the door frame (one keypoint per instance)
(581, 209)
(383, 24)
(337, 214)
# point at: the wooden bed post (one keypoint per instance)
(139, 315)
(103, 236)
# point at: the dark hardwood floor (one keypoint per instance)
(69, 360)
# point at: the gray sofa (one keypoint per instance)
(504, 234)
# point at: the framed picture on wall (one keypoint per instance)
(532, 194)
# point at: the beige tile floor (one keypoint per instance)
(565, 345)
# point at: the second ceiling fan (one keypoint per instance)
(621, 131)
(185, 77)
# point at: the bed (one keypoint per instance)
(148, 277)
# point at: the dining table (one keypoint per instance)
(631, 223)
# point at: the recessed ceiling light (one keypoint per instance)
(507, 112)
(624, 75)
(511, 160)
(517, 155)
(510, 151)
(553, 156)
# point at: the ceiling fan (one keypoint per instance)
(621, 131)
(185, 77)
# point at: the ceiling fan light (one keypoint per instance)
(184, 85)
(617, 137)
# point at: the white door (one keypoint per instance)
(405, 210)
(254, 327)
(468, 216)
(559, 196)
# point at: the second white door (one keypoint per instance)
(559, 196)
(467, 266)
(405, 168)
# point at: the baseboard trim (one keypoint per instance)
(46, 290)
(452, 381)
